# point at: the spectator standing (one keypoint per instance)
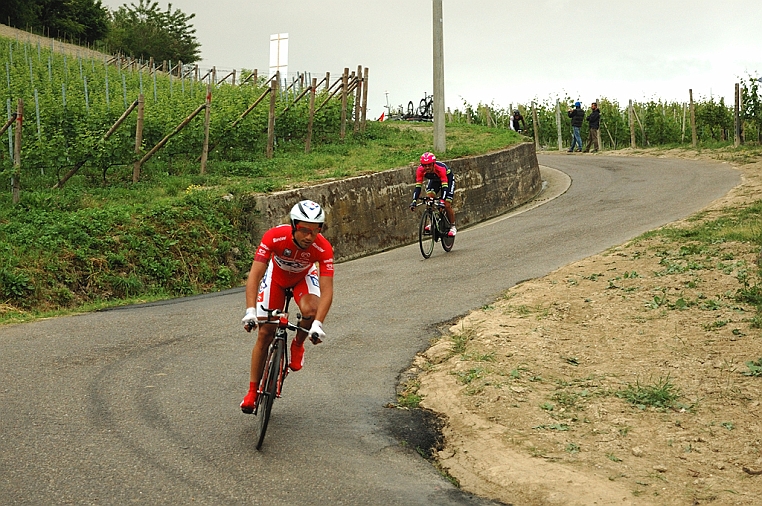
(577, 116)
(594, 119)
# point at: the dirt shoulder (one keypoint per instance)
(533, 388)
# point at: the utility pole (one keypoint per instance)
(440, 145)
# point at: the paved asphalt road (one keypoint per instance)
(140, 405)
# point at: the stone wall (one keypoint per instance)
(368, 214)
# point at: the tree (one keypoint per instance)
(83, 20)
(144, 31)
(19, 13)
(86, 20)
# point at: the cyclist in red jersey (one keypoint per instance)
(440, 178)
(289, 256)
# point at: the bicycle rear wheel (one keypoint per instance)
(447, 241)
(269, 384)
(426, 233)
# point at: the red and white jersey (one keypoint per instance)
(290, 262)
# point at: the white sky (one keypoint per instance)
(496, 52)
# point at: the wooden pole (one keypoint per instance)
(271, 116)
(138, 137)
(327, 80)
(358, 99)
(536, 128)
(682, 130)
(736, 122)
(108, 134)
(16, 183)
(8, 123)
(558, 126)
(740, 116)
(207, 118)
(364, 99)
(694, 136)
(344, 83)
(633, 145)
(440, 142)
(642, 130)
(179, 127)
(307, 144)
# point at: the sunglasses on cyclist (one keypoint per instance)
(308, 230)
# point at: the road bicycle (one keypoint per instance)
(434, 227)
(426, 106)
(275, 369)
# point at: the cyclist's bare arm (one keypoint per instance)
(256, 274)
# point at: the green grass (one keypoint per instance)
(97, 243)
(661, 394)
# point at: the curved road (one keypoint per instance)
(141, 404)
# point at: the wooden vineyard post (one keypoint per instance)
(327, 81)
(162, 142)
(558, 126)
(736, 122)
(632, 126)
(344, 80)
(694, 137)
(17, 153)
(307, 143)
(108, 134)
(358, 99)
(207, 117)
(364, 99)
(536, 128)
(271, 116)
(138, 137)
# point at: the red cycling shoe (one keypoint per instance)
(297, 356)
(247, 405)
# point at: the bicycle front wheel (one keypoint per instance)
(426, 233)
(268, 390)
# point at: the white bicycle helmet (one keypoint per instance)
(308, 211)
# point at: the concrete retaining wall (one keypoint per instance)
(368, 214)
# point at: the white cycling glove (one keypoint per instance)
(249, 320)
(316, 332)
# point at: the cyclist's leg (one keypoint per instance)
(447, 195)
(270, 296)
(307, 297)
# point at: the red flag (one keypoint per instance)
(381, 118)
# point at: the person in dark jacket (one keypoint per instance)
(594, 119)
(577, 116)
(516, 119)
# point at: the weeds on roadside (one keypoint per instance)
(755, 368)
(662, 394)
(460, 341)
(409, 397)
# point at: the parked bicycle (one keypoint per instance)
(426, 106)
(275, 368)
(434, 227)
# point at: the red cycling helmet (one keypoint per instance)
(428, 158)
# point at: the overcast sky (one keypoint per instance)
(496, 51)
